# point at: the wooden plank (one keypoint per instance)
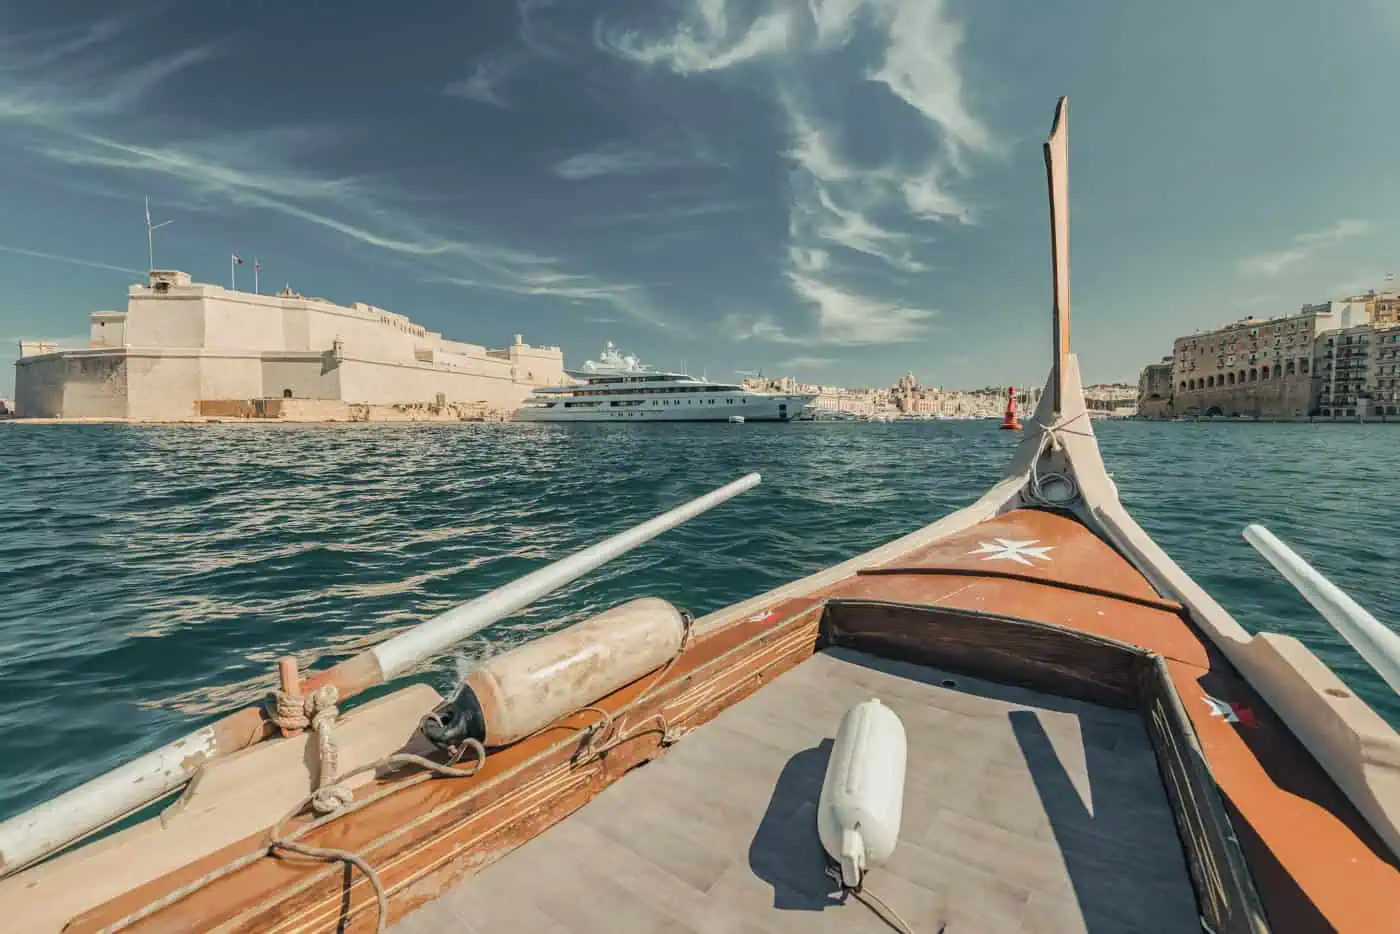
(720, 835)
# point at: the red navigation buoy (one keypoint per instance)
(1010, 422)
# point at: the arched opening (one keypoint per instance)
(1292, 369)
(1183, 386)
(1303, 367)
(1264, 373)
(1214, 412)
(1210, 382)
(1253, 374)
(286, 394)
(1230, 378)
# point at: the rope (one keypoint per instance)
(668, 735)
(332, 799)
(318, 711)
(288, 842)
(875, 903)
(1037, 479)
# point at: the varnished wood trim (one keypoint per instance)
(1225, 889)
(1004, 649)
(1170, 606)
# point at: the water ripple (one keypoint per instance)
(153, 575)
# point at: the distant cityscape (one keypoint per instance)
(1332, 360)
(908, 399)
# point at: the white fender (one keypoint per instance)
(862, 796)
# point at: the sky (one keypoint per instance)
(839, 190)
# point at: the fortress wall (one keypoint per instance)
(235, 322)
(364, 335)
(389, 384)
(39, 386)
(296, 330)
(175, 320)
(161, 388)
(96, 386)
(538, 365)
(307, 379)
(236, 377)
(57, 385)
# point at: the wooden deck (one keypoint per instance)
(1022, 813)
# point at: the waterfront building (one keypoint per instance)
(1382, 307)
(1154, 397)
(1358, 369)
(1258, 367)
(181, 342)
(1383, 378)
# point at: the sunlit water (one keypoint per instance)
(152, 576)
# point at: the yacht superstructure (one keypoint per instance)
(618, 387)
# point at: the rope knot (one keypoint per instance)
(331, 798)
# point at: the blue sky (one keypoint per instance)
(838, 189)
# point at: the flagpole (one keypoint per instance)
(256, 267)
(232, 274)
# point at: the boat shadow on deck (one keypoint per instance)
(1005, 828)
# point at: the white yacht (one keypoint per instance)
(620, 388)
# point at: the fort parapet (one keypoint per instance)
(181, 342)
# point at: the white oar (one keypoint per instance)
(88, 808)
(1376, 643)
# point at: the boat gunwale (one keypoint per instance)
(1223, 884)
(353, 901)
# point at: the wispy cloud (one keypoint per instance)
(706, 39)
(76, 106)
(70, 260)
(632, 300)
(485, 84)
(618, 158)
(920, 67)
(842, 212)
(805, 363)
(1302, 248)
(845, 317)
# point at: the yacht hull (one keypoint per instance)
(754, 408)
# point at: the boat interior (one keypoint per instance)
(1093, 745)
(1028, 811)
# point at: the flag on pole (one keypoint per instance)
(238, 259)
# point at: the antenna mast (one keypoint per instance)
(150, 236)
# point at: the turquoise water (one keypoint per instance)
(152, 576)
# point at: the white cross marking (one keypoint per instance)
(1013, 551)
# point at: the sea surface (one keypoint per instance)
(150, 577)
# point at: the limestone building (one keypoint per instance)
(180, 342)
(1154, 399)
(1259, 367)
(1358, 371)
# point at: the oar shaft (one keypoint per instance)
(1376, 643)
(109, 797)
(404, 651)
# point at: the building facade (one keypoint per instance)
(1154, 399)
(1263, 368)
(1358, 371)
(181, 342)
(1383, 378)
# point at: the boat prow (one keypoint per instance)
(1093, 744)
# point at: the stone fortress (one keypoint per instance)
(183, 349)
